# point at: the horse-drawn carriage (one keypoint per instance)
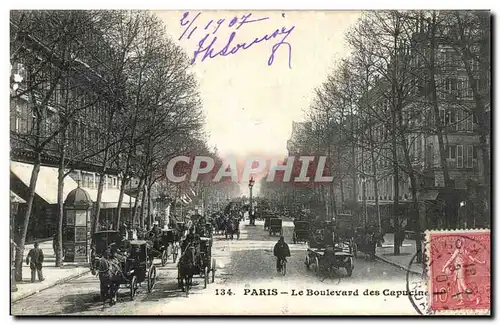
(300, 231)
(366, 240)
(330, 258)
(119, 262)
(219, 224)
(196, 259)
(276, 227)
(267, 219)
(328, 254)
(232, 228)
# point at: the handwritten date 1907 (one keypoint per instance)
(210, 46)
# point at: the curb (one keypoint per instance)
(397, 265)
(58, 282)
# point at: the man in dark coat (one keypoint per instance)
(281, 251)
(55, 245)
(35, 261)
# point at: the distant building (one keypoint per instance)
(461, 145)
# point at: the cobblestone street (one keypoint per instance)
(247, 263)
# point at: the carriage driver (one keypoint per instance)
(281, 251)
(192, 238)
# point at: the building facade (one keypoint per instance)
(51, 84)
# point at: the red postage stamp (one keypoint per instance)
(458, 263)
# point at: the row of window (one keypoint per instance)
(444, 58)
(91, 180)
(457, 120)
(385, 188)
(454, 119)
(460, 87)
(462, 156)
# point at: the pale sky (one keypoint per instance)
(250, 106)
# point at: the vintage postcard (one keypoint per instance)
(250, 162)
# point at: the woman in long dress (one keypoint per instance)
(458, 261)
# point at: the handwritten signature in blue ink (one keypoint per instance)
(207, 45)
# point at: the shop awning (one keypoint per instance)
(109, 199)
(14, 198)
(430, 195)
(46, 185)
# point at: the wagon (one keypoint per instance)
(204, 266)
(101, 241)
(139, 267)
(130, 267)
(267, 219)
(208, 263)
(300, 231)
(170, 244)
(275, 227)
(328, 259)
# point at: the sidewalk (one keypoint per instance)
(53, 275)
(407, 251)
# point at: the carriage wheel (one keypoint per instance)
(205, 275)
(151, 278)
(316, 262)
(213, 270)
(164, 258)
(350, 266)
(283, 268)
(133, 287)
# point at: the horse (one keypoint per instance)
(366, 241)
(219, 224)
(232, 227)
(110, 276)
(186, 268)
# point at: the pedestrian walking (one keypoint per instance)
(35, 261)
(55, 245)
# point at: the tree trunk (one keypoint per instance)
(354, 176)
(342, 199)
(97, 209)
(29, 206)
(150, 212)
(143, 205)
(414, 189)
(136, 203)
(332, 198)
(124, 183)
(60, 207)
(375, 179)
(395, 168)
(439, 125)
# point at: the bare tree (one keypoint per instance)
(45, 45)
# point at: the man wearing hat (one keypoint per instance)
(35, 261)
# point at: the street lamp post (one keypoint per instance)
(250, 186)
